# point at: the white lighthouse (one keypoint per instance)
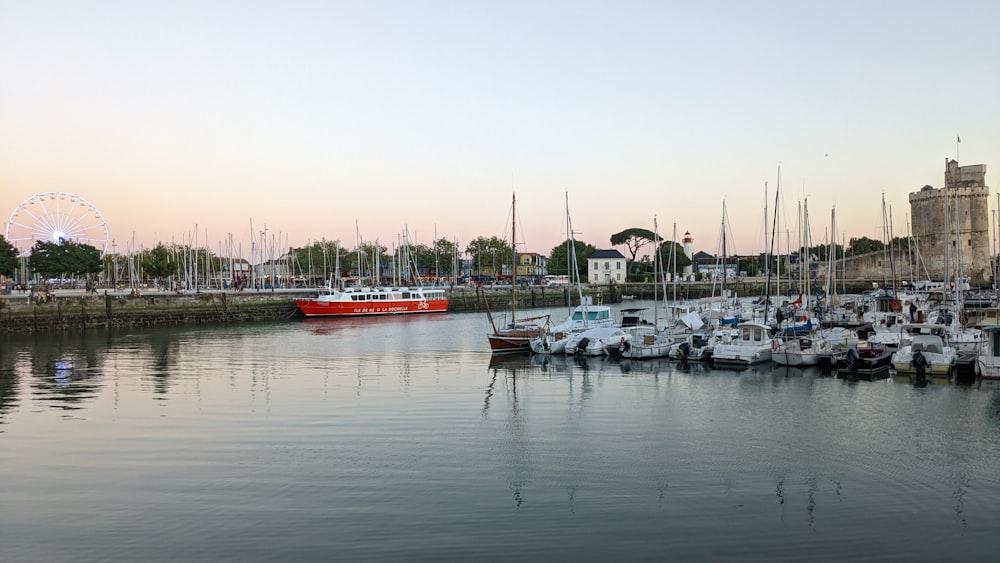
(687, 240)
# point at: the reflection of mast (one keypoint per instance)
(489, 394)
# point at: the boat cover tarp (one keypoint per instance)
(798, 329)
(692, 320)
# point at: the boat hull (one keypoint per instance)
(794, 359)
(515, 341)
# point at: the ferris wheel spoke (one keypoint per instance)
(75, 223)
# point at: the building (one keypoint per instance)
(606, 266)
(688, 241)
(951, 225)
(711, 267)
(531, 265)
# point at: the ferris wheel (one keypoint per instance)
(54, 217)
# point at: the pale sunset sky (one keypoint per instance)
(313, 117)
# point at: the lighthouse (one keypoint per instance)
(687, 240)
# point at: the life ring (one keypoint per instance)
(774, 344)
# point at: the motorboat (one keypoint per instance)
(367, 301)
(927, 351)
(597, 341)
(988, 359)
(865, 360)
(586, 316)
(754, 345)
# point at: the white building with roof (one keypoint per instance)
(606, 266)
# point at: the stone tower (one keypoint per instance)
(964, 197)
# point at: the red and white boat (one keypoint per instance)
(363, 301)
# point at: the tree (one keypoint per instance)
(864, 245)
(559, 258)
(56, 259)
(633, 239)
(160, 262)
(750, 265)
(445, 254)
(8, 258)
(489, 255)
(678, 250)
(318, 259)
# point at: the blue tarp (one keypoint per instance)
(792, 330)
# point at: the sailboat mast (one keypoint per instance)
(673, 256)
(657, 267)
(513, 260)
(573, 269)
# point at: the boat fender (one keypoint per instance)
(774, 344)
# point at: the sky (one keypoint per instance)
(338, 120)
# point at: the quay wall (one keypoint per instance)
(74, 312)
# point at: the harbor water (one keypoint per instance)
(403, 439)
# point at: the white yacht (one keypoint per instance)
(753, 346)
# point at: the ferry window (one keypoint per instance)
(406, 295)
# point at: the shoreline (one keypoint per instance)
(71, 310)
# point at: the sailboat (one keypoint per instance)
(647, 341)
(584, 317)
(515, 336)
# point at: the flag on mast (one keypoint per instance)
(959, 138)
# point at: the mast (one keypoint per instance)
(725, 298)
(946, 237)
(767, 267)
(831, 260)
(673, 256)
(657, 266)
(572, 264)
(775, 238)
(958, 249)
(513, 260)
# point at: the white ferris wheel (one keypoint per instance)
(54, 217)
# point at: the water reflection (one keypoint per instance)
(447, 445)
(9, 383)
(65, 370)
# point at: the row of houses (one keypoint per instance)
(604, 266)
(611, 266)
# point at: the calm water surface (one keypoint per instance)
(399, 439)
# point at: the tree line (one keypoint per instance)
(486, 255)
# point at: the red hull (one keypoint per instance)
(318, 308)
